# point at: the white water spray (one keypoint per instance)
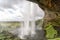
(24, 12)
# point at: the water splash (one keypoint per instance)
(25, 12)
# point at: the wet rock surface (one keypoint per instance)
(39, 36)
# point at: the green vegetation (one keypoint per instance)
(55, 22)
(8, 26)
(8, 36)
(50, 31)
(54, 39)
(5, 27)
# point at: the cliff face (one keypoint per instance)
(51, 8)
(53, 5)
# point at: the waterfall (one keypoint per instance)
(27, 13)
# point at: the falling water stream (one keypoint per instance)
(25, 12)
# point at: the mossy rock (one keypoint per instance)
(50, 31)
